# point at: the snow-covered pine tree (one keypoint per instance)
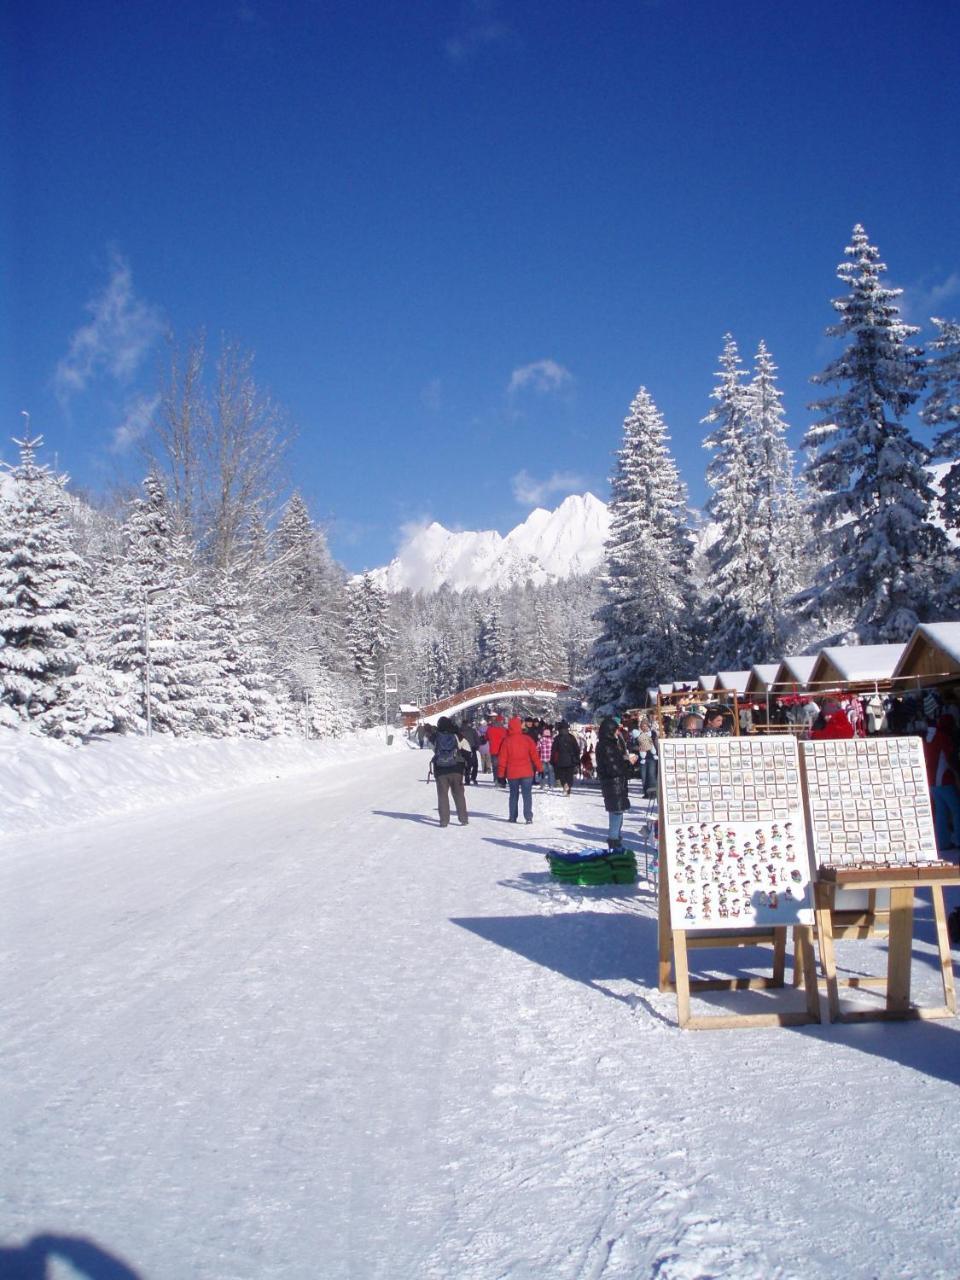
(735, 559)
(645, 577)
(441, 676)
(370, 639)
(882, 557)
(778, 522)
(310, 621)
(41, 603)
(942, 409)
(493, 661)
(245, 672)
(159, 610)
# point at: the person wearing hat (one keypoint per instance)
(614, 766)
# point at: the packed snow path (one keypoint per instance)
(302, 1032)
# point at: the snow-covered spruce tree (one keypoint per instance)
(942, 409)
(158, 608)
(310, 619)
(370, 639)
(736, 558)
(245, 673)
(41, 605)
(882, 558)
(493, 660)
(441, 676)
(645, 576)
(779, 526)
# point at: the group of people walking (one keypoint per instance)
(523, 752)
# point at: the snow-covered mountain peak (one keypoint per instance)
(545, 547)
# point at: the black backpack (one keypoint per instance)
(447, 753)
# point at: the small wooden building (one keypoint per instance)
(931, 656)
(865, 665)
(794, 673)
(761, 677)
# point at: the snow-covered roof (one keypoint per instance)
(796, 669)
(736, 680)
(932, 650)
(681, 686)
(667, 688)
(857, 661)
(652, 695)
(762, 675)
(408, 708)
(707, 682)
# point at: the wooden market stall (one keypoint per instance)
(855, 667)
(931, 656)
(793, 673)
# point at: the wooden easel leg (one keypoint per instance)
(798, 960)
(943, 946)
(683, 977)
(779, 954)
(827, 959)
(899, 950)
(807, 965)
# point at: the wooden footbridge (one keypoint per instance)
(495, 691)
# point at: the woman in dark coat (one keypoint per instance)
(565, 756)
(614, 764)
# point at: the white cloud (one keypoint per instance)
(137, 417)
(121, 330)
(921, 301)
(532, 492)
(543, 376)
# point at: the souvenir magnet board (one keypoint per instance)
(735, 836)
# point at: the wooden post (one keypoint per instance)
(900, 948)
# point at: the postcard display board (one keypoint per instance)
(736, 861)
(871, 827)
(869, 804)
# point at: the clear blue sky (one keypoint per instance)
(458, 236)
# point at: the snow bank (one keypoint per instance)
(46, 784)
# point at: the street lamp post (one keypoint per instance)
(389, 686)
(148, 594)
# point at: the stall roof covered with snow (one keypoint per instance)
(735, 680)
(855, 663)
(932, 654)
(762, 676)
(707, 683)
(795, 671)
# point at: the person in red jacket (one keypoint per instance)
(832, 722)
(495, 736)
(518, 762)
(940, 753)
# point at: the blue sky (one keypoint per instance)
(458, 236)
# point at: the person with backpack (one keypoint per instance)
(565, 757)
(519, 762)
(449, 755)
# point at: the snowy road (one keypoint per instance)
(301, 1032)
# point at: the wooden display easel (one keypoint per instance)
(903, 884)
(675, 943)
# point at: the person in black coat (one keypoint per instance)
(614, 766)
(470, 736)
(565, 756)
